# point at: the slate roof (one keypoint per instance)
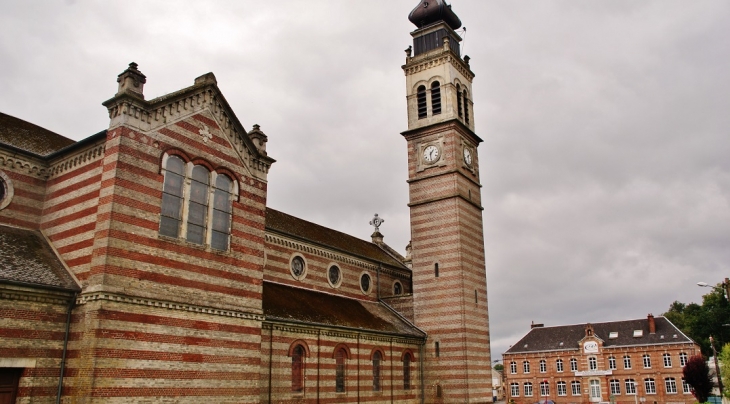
(29, 137)
(549, 338)
(287, 303)
(286, 224)
(26, 257)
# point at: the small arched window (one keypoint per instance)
(297, 369)
(436, 98)
(422, 106)
(407, 359)
(340, 357)
(466, 107)
(377, 358)
(458, 100)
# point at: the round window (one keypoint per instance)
(298, 267)
(334, 275)
(2, 190)
(6, 190)
(365, 283)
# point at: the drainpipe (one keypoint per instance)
(71, 304)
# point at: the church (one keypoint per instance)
(142, 264)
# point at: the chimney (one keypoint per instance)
(652, 324)
(533, 325)
(131, 81)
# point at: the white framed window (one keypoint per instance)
(526, 367)
(513, 367)
(592, 363)
(630, 387)
(595, 390)
(514, 389)
(528, 389)
(646, 360)
(575, 388)
(612, 363)
(573, 365)
(686, 388)
(627, 362)
(559, 365)
(562, 389)
(649, 386)
(682, 359)
(196, 204)
(543, 366)
(670, 384)
(615, 387)
(667, 359)
(544, 389)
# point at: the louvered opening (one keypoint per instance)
(422, 107)
(436, 97)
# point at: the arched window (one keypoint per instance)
(297, 369)
(543, 366)
(526, 366)
(172, 197)
(422, 107)
(198, 205)
(458, 100)
(340, 358)
(407, 359)
(186, 209)
(466, 107)
(559, 365)
(513, 367)
(436, 98)
(377, 358)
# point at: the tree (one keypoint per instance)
(499, 367)
(724, 357)
(699, 322)
(697, 374)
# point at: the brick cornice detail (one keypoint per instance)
(164, 304)
(315, 330)
(85, 156)
(432, 59)
(34, 297)
(34, 167)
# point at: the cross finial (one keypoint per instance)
(376, 222)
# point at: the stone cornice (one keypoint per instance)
(436, 58)
(26, 294)
(333, 255)
(87, 155)
(85, 298)
(151, 115)
(28, 164)
(314, 329)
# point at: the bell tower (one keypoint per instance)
(449, 274)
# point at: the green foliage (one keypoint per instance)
(499, 367)
(724, 358)
(700, 322)
(697, 375)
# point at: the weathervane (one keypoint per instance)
(377, 221)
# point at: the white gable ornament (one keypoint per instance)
(206, 134)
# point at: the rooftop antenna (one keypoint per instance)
(463, 40)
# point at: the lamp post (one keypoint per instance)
(717, 367)
(636, 393)
(725, 287)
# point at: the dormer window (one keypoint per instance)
(638, 333)
(436, 98)
(422, 105)
(613, 335)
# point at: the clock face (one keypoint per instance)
(431, 154)
(467, 156)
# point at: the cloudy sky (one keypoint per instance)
(606, 125)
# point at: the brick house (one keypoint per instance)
(620, 361)
(142, 264)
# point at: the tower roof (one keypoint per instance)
(430, 11)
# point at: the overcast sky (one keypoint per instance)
(606, 126)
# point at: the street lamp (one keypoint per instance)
(725, 289)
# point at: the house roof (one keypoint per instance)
(307, 231)
(26, 258)
(288, 303)
(550, 338)
(29, 137)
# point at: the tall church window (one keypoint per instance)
(407, 371)
(377, 358)
(297, 369)
(196, 204)
(340, 357)
(458, 100)
(466, 107)
(172, 197)
(436, 97)
(422, 106)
